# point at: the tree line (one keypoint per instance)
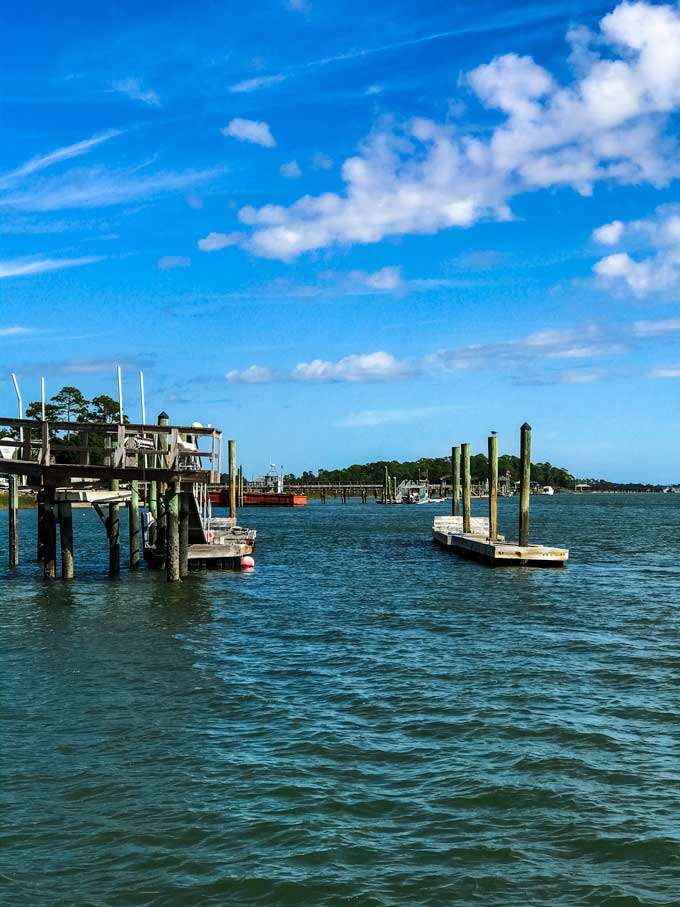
(433, 468)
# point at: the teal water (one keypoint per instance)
(364, 720)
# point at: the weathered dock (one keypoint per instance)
(477, 537)
(160, 473)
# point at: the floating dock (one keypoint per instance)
(478, 537)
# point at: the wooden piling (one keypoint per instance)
(13, 520)
(66, 539)
(467, 489)
(161, 521)
(524, 483)
(40, 528)
(232, 479)
(455, 481)
(493, 487)
(183, 534)
(49, 536)
(133, 524)
(113, 531)
(240, 487)
(172, 518)
(153, 511)
(386, 492)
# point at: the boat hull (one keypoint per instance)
(219, 497)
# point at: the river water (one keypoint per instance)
(363, 720)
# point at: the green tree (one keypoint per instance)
(70, 404)
(104, 409)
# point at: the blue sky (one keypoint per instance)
(347, 231)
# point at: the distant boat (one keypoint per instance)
(412, 493)
(547, 489)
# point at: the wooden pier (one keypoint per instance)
(477, 537)
(160, 473)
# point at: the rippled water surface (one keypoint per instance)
(364, 720)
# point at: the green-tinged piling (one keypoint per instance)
(13, 520)
(467, 488)
(493, 487)
(525, 483)
(455, 481)
(133, 524)
(172, 517)
(66, 539)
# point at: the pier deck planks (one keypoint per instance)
(501, 553)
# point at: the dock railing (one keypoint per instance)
(130, 450)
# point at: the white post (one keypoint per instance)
(120, 395)
(141, 395)
(42, 398)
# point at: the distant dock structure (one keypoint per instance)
(161, 473)
(477, 537)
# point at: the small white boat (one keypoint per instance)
(547, 489)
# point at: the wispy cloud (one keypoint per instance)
(14, 330)
(657, 328)
(168, 262)
(100, 187)
(21, 267)
(256, 83)
(372, 418)
(42, 162)
(134, 90)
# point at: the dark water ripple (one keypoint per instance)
(364, 720)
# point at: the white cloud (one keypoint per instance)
(609, 234)
(378, 366)
(35, 164)
(134, 89)
(607, 123)
(387, 279)
(658, 271)
(254, 84)
(213, 242)
(21, 267)
(167, 262)
(255, 131)
(291, 170)
(672, 371)
(14, 330)
(255, 374)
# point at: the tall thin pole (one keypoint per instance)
(42, 399)
(13, 520)
(524, 483)
(467, 490)
(120, 394)
(493, 487)
(232, 479)
(141, 396)
(455, 481)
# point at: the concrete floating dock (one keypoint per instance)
(501, 553)
(478, 537)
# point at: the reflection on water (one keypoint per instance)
(363, 720)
